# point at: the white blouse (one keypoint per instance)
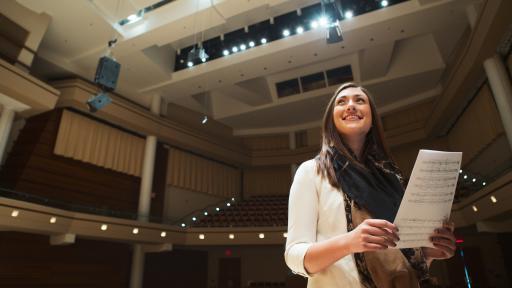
(316, 212)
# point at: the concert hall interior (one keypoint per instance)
(178, 174)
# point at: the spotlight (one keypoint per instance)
(225, 52)
(163, 234)
(233, 199)
(493, 199)
(313, 24)
(228, 204)
(243, 47)
(234, 49)
(205, 119)
(263, 40)
(323, 21)
(474, 208)
(465, 176)
(203, 60)
(384, 3)
(98, 101)
(286, 32)
(261, 235)
(474, 180)
(190, 63)
(132, 17)
(104, 227)
(231, 236)
(285, 235)
(251, 44)
(201, 236)
(460, 171)
(135, 231)
(183, 225)
(53, 220)
(218, 209)
(15, 213)
(299, 30)
(334, 34)
(194, 218)
(483, 183)
(205, 213)
(349, 14)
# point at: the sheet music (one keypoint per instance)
(428, 198)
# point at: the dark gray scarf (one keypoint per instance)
(377, 189)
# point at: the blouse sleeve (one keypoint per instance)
(302, 217)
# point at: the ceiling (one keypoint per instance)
(399, 52)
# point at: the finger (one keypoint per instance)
(375, 231)
(444, 242)
(445, 250)
(450, 225)
(444, 233)
(379, 240)
(374, 247)
(380, 223)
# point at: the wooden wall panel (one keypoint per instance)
(270, 180)
(32, 167)
(29, 260)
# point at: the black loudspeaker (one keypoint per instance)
(107, 73)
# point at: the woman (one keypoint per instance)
(343, 202)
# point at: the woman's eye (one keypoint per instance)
(360, 100)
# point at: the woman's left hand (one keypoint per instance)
(443, 240)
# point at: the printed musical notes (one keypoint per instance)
(428, 198)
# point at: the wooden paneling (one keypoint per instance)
(265, 143)
(271, 180)
(32, 168)
(29, 261)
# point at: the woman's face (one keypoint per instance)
(352, 113)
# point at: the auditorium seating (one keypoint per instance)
(259, 211)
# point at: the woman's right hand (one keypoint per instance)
(373, 235)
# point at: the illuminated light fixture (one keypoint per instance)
(285, 235)
(243, 47)
(384, 3)
(474, 180)
(233, 199)
(286, 32)
(299, 30)
(493, 199)
(483, 183)
(53, 220)
(459, 241)
(205, 213)
(218, 209)
(349, 14)
(132, 17)
(135, 231)
(323, 21)
(15, 213)
(231, 236)
(183, 225)
(234, 49)
(261, 235)
(104, 227)
(263, 40)
(313, 24)
(474, 208)
(163, 234)
(190, 63)
(251, 44)
(194, 218)
(228, 204)
(225, 52)
(203, 60)
(205, 119)
(460, 171)
(465, 176)
(201, 236)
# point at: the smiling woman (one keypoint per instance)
(343, 202)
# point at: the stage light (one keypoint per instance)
(243, 47)
(286, 32)
(190, 63)
(218, 209)
(299, 30)
(349, 14)
(263, 40)
(384, 3)
(493, 199)
(135, 231)
(228, 204)
(474, 208)
(163, 234)
(251, 44)
(261, 235)
(201, 236)
(465, 176)
(234, 49)
(104, 227)
(474, 180)
(233, 199)
(194, 218)
(483, 183)
(323, 21)
(460, 171)
(183, 225)
(225, 52)
(15, 213)
(314, 24)
(53, 220)
(203, 60)
(231, 236)
(205, 213)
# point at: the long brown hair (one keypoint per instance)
(375, 150)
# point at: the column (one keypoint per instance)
(6, 119)
(146, 187)
(502, 92)
(292, 141)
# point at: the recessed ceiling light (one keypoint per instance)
(231, 236)
(263, 40)
(323, 21)
(243, 47)
(190, 63)
(251, 44)
(135, 231)
(285, 235)
(201, 236)
(183, 225)
(163, 234)
(493, 199)
(313, 24)
(225, 52)
(15, 213)
(217, 208)
(384, 3)
(234, 49)
(261, 235)
(349, 14)
(299, 30)
(474, 208)
(228, 204)
(286, 32)
(53, 219)
(194, 218)
(104, 227)
(205, 213)
(483, 183)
